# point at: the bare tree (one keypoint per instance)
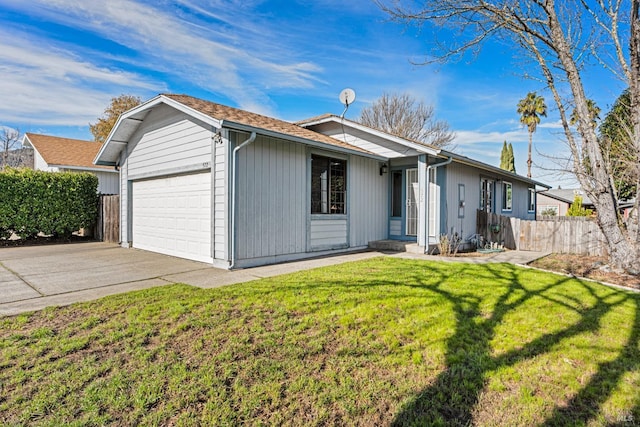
(9, 141)
(403, 116)
(557, 36)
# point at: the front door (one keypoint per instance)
(412, 202)
(403, 224)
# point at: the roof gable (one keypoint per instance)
(377, 141)
(57, 151)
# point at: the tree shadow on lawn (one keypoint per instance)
(452, 398)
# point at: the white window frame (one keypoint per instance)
(487, 189)
(542, 208)
(507, 202)
(532, 200)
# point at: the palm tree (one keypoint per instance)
(530, 108)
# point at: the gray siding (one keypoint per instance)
(167, 142)
(273, 219)
(220, 206)
(124, 200)
(271, 199)
(450, 222)
(328, 232)
(457, 173)
(107, 182)
(368, 206)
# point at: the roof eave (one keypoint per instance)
(418, 147)
(83, 168)
(265, 132)
(480, 165)
(116, 138)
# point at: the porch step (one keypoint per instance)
(396, 246)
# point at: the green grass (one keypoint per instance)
(377, 342)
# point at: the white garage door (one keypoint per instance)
(173, 216)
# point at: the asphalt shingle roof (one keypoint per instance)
(222, 112)
(66, 151)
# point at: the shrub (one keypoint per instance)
(576, 208)
(56, 203)
(449, 245)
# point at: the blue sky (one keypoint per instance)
(63, 60)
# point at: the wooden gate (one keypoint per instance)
(108, 226)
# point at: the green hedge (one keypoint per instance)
(54, 203)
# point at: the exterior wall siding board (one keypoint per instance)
(108, 182)
(219, 200)
(520, 201)
(168, 140)
(299, 164)
(470, 177)
(368, 209)
(328, 233)
(124, 200)
(271, 209)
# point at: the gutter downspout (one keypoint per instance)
(234, 159)
(426, 228)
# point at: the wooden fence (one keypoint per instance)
(575, 235)
(108, 225)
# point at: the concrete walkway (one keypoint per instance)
(35, 277)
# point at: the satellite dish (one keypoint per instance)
(347, 96)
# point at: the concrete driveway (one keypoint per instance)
(35, 277)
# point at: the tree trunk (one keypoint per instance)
(623, 252)
(529, 161)
(634, 94)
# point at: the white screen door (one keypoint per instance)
(412, 202)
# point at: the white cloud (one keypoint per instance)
(552, 125)
(226, 53)
(47, 85)
(465, 138)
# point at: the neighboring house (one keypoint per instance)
(559, 200)
(220, 185)
(18, 158)
(55, 154)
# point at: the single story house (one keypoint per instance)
(559, 200)
(55, 154)
(216, 184)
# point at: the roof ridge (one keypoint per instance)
(258, 121)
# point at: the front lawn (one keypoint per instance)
(376, 342)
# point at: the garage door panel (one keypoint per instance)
(172, 216)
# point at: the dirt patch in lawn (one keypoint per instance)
(591, 267)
